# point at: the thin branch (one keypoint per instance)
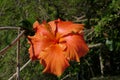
(9, 27)
(18, 58)
(82, 20)
(101, 65)
(78, 18)
(12, 43)
(95, 45)
(88, 32)
(20, 69)
(91, 70)
(66, 76)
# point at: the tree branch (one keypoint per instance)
(20, 69)
(12, 43)
(68, 75)
(95, 45)
(65, 76)
(9, 27)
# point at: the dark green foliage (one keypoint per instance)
(103, 16)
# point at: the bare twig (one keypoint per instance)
(83, 20)
(78, 18)
(9, 27)
(95, 45)
(92, 73)
(20, 69)
(18, 57)
(101, 64)
(66, 76)
(88, 32)
(12, 43)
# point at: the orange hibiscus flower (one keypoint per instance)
(56, 43)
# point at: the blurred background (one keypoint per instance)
(102, 26)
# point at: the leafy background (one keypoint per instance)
(102, 25)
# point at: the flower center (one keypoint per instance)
(56, 41)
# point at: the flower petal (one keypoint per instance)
(76, 46)
(42, 29)
(69, 27)
(42, 39)
(66, 27)
(38, 43)
(53, 60)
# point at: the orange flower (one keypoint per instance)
(56, 43)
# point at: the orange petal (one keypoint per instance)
(36, 24)
(76, 46)
(42, 39)
(66, 27)
(42, 29)
(38, 43)
(53, 60)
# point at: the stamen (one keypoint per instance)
(56, 30)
